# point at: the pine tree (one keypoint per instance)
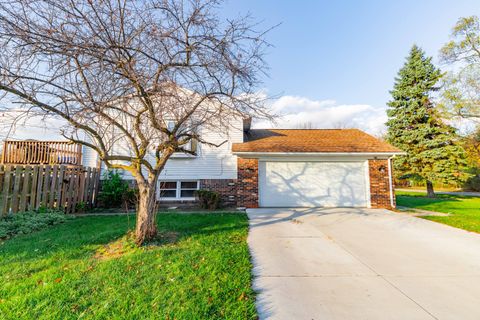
(415, 126)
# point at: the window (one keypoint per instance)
(178, 190)
(168, 189)
(187, 189)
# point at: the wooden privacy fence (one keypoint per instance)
(67, 188)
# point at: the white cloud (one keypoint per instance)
(296, 112)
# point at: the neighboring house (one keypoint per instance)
(279, 168)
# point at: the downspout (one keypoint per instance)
(390, 181)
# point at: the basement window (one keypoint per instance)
(178, 190)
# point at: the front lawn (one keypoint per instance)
(86, 268)
(464, 211)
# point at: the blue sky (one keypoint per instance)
(348, 51)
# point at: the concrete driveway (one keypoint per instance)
(362, 264)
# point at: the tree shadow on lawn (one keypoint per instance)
(81, 237)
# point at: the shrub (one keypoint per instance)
(28, 222)
(113, 190)
(208, 199)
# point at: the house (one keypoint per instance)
(281, 168)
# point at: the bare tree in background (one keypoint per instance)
(305, 125)
(147, 73)
(341, 125)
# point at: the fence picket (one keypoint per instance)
(76, 187)
(53, 185)
(33, 192)
(65, 184)
(96, 181)
(40, 181)
(46, 186)
(16, 188)
(25, 190)
(81, 185)
(58, 195)
(87, 195)
(6, 190)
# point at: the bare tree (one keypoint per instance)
(305, 125)
(341, 124)
(144, 73)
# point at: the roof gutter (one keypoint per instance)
(311, 154)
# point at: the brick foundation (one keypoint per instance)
(380, 184)
(247, 183)
(227, 188)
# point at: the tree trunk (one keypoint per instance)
(146, 228)
(430, 192)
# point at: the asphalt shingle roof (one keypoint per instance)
(311, 140)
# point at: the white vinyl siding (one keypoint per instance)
(211, 162)
(89, 157)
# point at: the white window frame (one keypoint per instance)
(178, 190)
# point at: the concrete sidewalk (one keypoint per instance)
(362, 264)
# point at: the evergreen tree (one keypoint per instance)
(415, 126)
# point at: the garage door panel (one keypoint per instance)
(307, 184)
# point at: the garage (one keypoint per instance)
(314, 168)
(289, 183)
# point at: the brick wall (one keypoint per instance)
(247, 183)
(379, 184)
(227, 188)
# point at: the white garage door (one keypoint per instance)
(312, 184)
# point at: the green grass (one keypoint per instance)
(87, 269)
(464, 211)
